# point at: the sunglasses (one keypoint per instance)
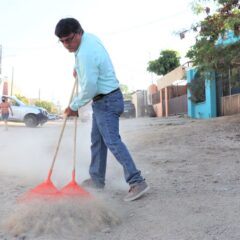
(67, 40)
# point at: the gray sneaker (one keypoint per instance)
(136, 191)
(89, 183)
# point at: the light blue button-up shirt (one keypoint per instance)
(94, 69)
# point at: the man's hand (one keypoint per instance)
(69, 112)
(74, 73)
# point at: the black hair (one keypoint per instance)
(67, 26)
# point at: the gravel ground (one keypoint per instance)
(192, 167)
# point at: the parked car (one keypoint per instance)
(129, 109)
(32, 116)
(52, 117)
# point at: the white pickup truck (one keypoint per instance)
(32, 116)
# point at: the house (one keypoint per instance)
(202, 101)
(169, 95)
(221, 90)
(219, 93)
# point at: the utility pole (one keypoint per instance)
(151, 74)
(0, 63)
(0, 59)
(12, 81)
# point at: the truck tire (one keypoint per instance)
(31, 121)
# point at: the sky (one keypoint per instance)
(133, 32)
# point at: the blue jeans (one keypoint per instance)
(105, 135)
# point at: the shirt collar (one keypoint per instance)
(82, 38)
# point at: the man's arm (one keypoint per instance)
(11, 109)
(87, 73)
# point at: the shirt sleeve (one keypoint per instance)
(87, 72)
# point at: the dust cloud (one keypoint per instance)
(26, 157)
(67, 218)
(28, 152)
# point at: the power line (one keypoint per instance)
(132, 28)
(148, 23)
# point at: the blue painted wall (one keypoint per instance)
(227, 38)
(207, 109)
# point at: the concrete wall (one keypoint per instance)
(208, 108)
(139, 99)
(167, 90)
(168, 79)
(152, 94)
(158, 109)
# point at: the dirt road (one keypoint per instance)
(192, 167)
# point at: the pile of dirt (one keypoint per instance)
(68, 218)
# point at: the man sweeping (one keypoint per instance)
(98, 83)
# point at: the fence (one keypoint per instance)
(230, 104)
(178, 105)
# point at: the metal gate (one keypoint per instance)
(178, 105)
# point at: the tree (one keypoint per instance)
(206, 56)
(22, 98)
(126, 93)
(124, 88)
(167, 61)
(49, 106)
(217, 47)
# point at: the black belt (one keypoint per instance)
(100, 96)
